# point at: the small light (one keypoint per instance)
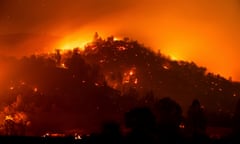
(182, 126)
(35, 89)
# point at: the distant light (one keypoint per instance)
(136, 81)
(102, 61)
(35, 89)
(11, 88)
(54, 135)
(121, 48)
(63, 66)
(46, 135)
(96, 84)
(165, 67)
(182, 126)
(131, 73)
(77, 136)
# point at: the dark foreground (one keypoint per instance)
(163, 125)
(36, 140)
(72, 140)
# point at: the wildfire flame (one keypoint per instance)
(130, 76)
(72, 41)
(9, 117)
(71, 45)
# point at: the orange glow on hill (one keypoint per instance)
(81, 37)
(189, 41)
(187, 46)
(71, 43)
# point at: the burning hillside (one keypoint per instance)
(83, 87)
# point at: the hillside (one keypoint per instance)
(80, 89)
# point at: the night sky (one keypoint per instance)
(206, 31)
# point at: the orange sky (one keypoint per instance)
(206, 32)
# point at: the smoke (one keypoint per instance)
(206, 32)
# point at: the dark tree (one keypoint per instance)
(196, 120)
(141, 121)
(169, 115)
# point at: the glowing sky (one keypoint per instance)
(204, 31)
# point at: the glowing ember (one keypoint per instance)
(63, 66)
(9, 117)
(121, 48)
(20, 116)
(35, 89)
(126, 79)
(23, 83)
(130, 76)
(131, 73)
(182, 126)
(165, 67)
(96, 84)
(77, 137)
(136, 81)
